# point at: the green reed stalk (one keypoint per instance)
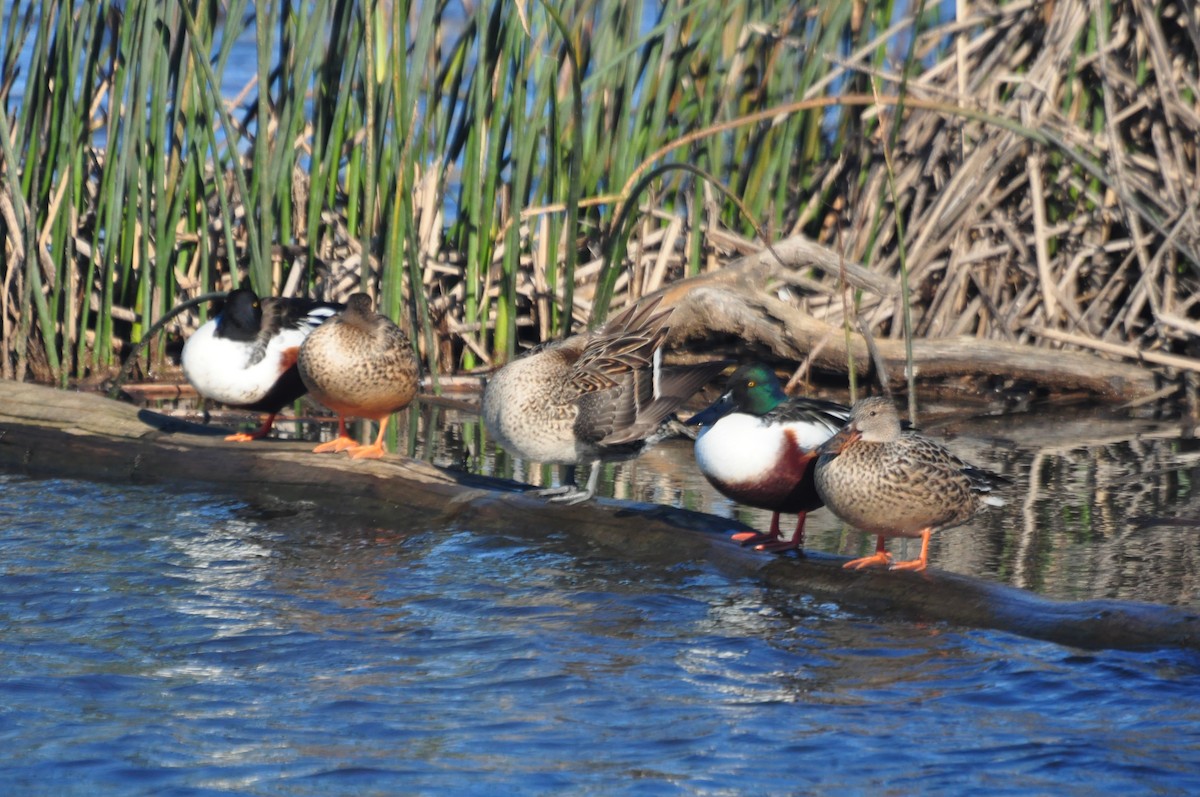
(475, 195)
(901, 243)
(898, 216)
(68, 186)
(491, 147)
(29, 196)
(484, 111)
(154, 202)
(556, 284)
(370, 167)
(408, 89)
(511, 102)
(335, 121)
(260, 191)
(210, 91)
(569, 54)
(33, 278)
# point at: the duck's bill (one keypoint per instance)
(712, 413)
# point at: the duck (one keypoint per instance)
(895, 483)
(359, 364)
(597, 396)
(245, 356)
(757, 446)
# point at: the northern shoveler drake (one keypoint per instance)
(359, 364)
(758, 447)
(601, 395)
(245, 356)
(895, 483)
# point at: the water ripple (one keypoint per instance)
(180, 644)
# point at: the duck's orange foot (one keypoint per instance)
(766, 537)
(918, 564)
(245, 437)
(877, 559)
(779, 546)
(373, 451)
(336, 444)
(748, 537)
(262, 431)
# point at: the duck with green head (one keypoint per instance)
(895, 483)
(757, 446)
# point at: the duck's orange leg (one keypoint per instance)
(747, 537)
(340, 443)
(880, 557)
(794, 544)
(258, 434)
(918, 564)
(374, 450)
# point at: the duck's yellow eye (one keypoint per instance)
(751, 383)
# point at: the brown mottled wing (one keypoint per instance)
(624, 345)
(393, 337)
(943, 477)
(676, 384)
(980, 480)
(603, 410)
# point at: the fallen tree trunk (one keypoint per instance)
(46, 432)
(737, 311)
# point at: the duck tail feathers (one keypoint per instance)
(673, 385)
(984, 481)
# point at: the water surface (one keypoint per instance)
(163, 642)
(1101, 505)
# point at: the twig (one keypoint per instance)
(1170, 360)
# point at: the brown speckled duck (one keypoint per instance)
(600, 395)
(897, 484)
(360, 365)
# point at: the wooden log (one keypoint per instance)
(46, 432)
(741, 304)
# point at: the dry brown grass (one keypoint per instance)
(1044, 171)
(1058, 205)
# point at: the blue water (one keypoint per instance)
(162, 642)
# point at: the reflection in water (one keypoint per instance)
(162, 643)
(1114, 517)
(1101, 507)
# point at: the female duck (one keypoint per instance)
(245, 356)
(600, 395)
(893, 483)
(758, 447)
(359, 364)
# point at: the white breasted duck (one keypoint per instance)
(601, 395)
(245, 356)
(757, 446)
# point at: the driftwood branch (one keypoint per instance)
(739, 310)
(44, 432)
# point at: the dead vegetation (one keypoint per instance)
(1045, 174)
